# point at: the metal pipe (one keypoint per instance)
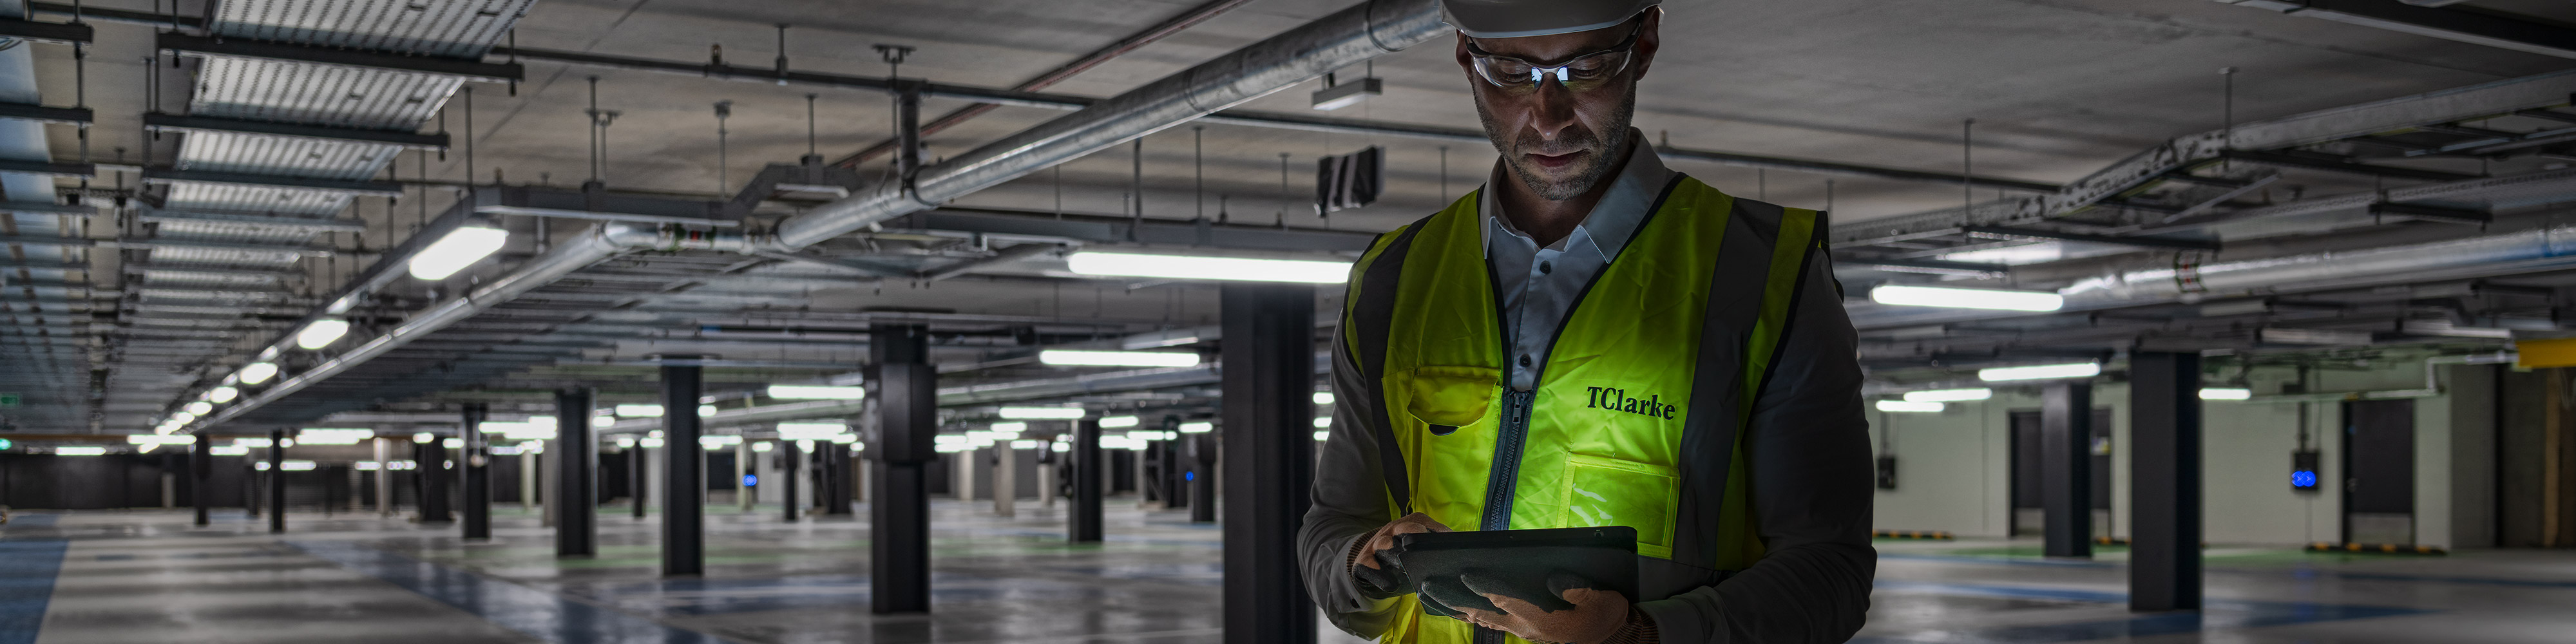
(2162, 279)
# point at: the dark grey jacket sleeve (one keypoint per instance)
(1808, 450)
(1350, 501)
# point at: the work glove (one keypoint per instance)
(1570, 611)
(1377, 566)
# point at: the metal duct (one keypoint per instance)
(1346, 38)
(2545, 248)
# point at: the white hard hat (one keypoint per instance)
(1517, 18)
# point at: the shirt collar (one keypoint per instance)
(1613, 221)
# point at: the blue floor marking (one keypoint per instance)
(21, 520)
(2296, 572)
(2215, 615)
(512, 606)
(27, 571)
(693, 597)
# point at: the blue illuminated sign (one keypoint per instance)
(2303, 479)
(1189, 476)
(749, 480)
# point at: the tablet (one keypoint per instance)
(1522, 560)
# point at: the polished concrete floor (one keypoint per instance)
(148, 576)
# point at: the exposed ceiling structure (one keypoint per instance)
(188, 190)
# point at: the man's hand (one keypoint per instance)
(1371, 573)
(1594, 616)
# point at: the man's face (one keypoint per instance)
(1562, 142)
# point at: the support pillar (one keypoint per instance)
(743, 467)
(683, 519)
(576, 501)
(1269, 384)
(2066, 467)
(384, 477)
(1199, 473)
(907, 408)
(638, 481)
(2165, 495)
(837, 484)
(787, 457)
(431, 459)
(276, 480)
(1006, 480)
(1084, 523)
(478, 473)
(201, 466)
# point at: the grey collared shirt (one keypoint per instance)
(1538, 287)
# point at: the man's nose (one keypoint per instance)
(1551, 109)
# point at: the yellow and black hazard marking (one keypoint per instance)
(2382, 548)
(1912, 534)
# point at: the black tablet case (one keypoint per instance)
(1521, 559)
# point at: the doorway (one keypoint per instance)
(2379, 471)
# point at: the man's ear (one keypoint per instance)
(1649, 39)
(1466, 62)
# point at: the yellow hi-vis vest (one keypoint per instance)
(1637, 413)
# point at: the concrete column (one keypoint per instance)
(169, 487)
(907, 409)
(527, 477)
(1047, 478)
(842, 477)
(1084, 523)
(683, 519)
(1269, 382)
(431, 458)
(788, 455)
(639, 477)
(963, 473)
(2066, 467)
(576, 454)
(201, 467)
(742, 494)
(478, 474)
(1201, 476)
(276, 480)
(1006, 490)
(2165, 500)
(384, 477)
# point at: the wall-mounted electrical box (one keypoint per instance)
(1887, 472)
(2303, 470)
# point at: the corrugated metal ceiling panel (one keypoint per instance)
(362, 97)
(187, 195)
(298, 157)
(453, 28)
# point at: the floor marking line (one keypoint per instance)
(537, 613)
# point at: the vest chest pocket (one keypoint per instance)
(1447, 398)
(1605, 491)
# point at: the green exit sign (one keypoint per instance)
(5, 444)
(9, 400)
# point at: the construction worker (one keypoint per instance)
(1593, 339)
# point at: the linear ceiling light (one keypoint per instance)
(1910, 406)
(220, 395)
(1042, 413)
(80, 450)
(1072, 358)
(321, 333)
(199, 408)
(328, 436)
(1949, 395)
(2226, 393)
(1323, 398)
(2041, 372)
(460, 248)
(258, 372)
(1967, 298)
(810, 431)
(817, 392)
(1197, 428)
(639, 411)
(1113, 422)
(1193, 267)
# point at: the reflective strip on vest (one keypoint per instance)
(1605, 442)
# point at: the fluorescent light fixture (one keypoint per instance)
(530, 432)
(850, 440)
(655, 433)
(80, 450)
(183, 417)
(321, 333)
(624, 442)
(2041, 372)
(1059, 447)
(763, 446)
(1323, 398)
(156, 439)
(452, 443)
(297, 466)
(503, 450)
(1114, 422)
(706, 410)
(258, 372)
(639, 411)
(259, 442)
(1321, 434)
(228, 450)
(1026, 444)
(199, 408)
(1967, 298)
(1949, 395)
(320, 436)
(460, 248)
(221, 395)
(2225, 393)
(817, 392)
(423, 437)
(1010, 427)
(231, 379)
(1074, 358)
(649, 441)
(1908, 406)
(542, 421)
(1197, 428)
(1193, 267)
(1323, 422)
(805, 446)
(1049, 413)
(719, 440)
(809, 431)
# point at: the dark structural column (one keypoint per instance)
(576, 501)
(277, 480)
(836, 486)
(430, 459)
(2164, 495)
(685, 479)
(637, 479)
(2066, 467)
(1199, 473)
(1085, 521)
(1269, 371)
(787, 457)
(478, 473)
(907, 391)
(201, 464)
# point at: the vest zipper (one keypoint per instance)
(1505, 477)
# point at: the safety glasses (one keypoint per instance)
(1582, 74)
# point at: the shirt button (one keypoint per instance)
(1525, 361)
(1545, 268)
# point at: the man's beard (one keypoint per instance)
(1607, 154)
